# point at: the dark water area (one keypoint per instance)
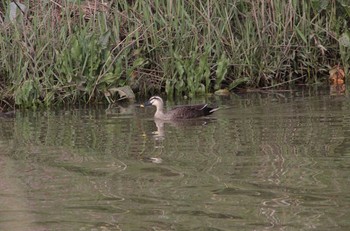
(262, 162)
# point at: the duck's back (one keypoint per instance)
(190, 111)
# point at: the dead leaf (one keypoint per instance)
(223, 92)
(337, 75)
(124, 92)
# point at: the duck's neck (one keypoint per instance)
(159, 112)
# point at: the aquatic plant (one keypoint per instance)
(75, 51)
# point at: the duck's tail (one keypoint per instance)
(211, 110)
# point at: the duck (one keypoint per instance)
(179, 112)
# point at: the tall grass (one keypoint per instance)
(69, 52)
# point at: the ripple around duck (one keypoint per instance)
(93, 167)
(208, 214)
(161, 171)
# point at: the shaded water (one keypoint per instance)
(259, 163)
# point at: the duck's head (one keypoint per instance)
(155, 101)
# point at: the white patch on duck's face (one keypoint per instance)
(156, 102)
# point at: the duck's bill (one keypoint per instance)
(145, 104)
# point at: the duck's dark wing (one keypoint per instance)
(191, 111)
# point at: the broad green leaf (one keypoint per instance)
(344, 40)
(104, 39)
(302, 36)
(238, 82)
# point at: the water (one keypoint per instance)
(262, 162)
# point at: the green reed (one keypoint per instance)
(68, 53)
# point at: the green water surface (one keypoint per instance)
(262, 162)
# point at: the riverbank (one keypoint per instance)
(64, 52)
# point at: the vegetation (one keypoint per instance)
(76, 51)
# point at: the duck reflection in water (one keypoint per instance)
(159, 134)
